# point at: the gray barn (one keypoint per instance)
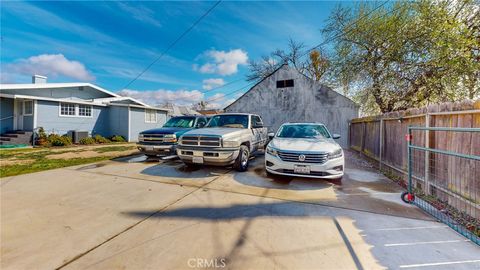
(286, 95)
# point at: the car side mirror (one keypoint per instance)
(336, 136)
(271, 135)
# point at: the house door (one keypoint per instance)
(19, 114)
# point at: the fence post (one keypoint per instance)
(426, 178)
(380, 154)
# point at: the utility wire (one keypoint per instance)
(313, 48)
(174, 43)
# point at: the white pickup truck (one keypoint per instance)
(227, 139)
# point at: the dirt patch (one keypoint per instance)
(11, 162)
(90, 154)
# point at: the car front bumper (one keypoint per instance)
(331, 169)
(158, 150)
(210, 156)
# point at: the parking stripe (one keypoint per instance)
(437, 264)
(411, 228)
(424, 243)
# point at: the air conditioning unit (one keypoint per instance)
(77, 135)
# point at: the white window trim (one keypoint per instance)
(76, 106)
(77, 111)
(149, 111)
(23, 108)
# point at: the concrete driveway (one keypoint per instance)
(136, 214)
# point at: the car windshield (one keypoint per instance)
(303, 131)
(181, 122)
(232, 121)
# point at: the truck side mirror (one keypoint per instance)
(336, 136)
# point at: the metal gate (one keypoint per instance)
(444, 176)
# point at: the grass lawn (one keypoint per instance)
(21, 161)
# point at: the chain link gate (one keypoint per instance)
(446, 183)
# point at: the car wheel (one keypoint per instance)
(241, 163)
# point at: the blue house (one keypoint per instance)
(62, 107)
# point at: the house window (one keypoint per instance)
(67, 109)
(85, 110)
(284, 83)
(150, 116)
(28, 107)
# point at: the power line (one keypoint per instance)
(313, 48)
(221, 86)
(173, 43)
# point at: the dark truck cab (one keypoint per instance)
(163, 141)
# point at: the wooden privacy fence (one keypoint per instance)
(453, 180)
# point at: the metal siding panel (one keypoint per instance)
(118, 121)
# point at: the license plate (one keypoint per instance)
(301, 169)
(198, 160)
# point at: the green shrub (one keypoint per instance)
(42, 138)
(57, 140)
(88, 140)
(117, 138)
(100, 139)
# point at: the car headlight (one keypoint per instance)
(230, 144)
(170, 138)
(271, 151)
(335, 154)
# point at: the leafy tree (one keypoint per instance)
(408, 54)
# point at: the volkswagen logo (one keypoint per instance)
(301, 158)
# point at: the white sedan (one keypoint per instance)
(306, 150)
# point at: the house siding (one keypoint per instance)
(307, 101)
(48, 117)
(137, 122)
(118, 121)
(6, 110)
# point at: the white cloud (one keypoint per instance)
(154, 97)
(209, 84)
(224, 63)
(50, 65)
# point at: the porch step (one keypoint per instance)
(16, 137)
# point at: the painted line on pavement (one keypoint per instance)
(425, 243)
(438, 264)
(411, 228)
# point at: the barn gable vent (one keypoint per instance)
(285, 83)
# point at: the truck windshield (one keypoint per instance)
(232, 121)
(303, 131)
(181, 122)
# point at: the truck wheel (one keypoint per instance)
(241, 163)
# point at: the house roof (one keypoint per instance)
(97, 101)
(53, 85)
(273, 72)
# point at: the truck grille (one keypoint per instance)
(152, 138)
(309, 157)
(209, 141)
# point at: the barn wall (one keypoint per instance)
(307, 101)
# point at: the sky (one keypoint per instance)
(110, 43)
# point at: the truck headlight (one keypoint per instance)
(140, 137)
(170, 138)
(231, 144)
(271, 151)
(335, 154)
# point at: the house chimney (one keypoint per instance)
(37, 79)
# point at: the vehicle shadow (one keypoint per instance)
(177, 169)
